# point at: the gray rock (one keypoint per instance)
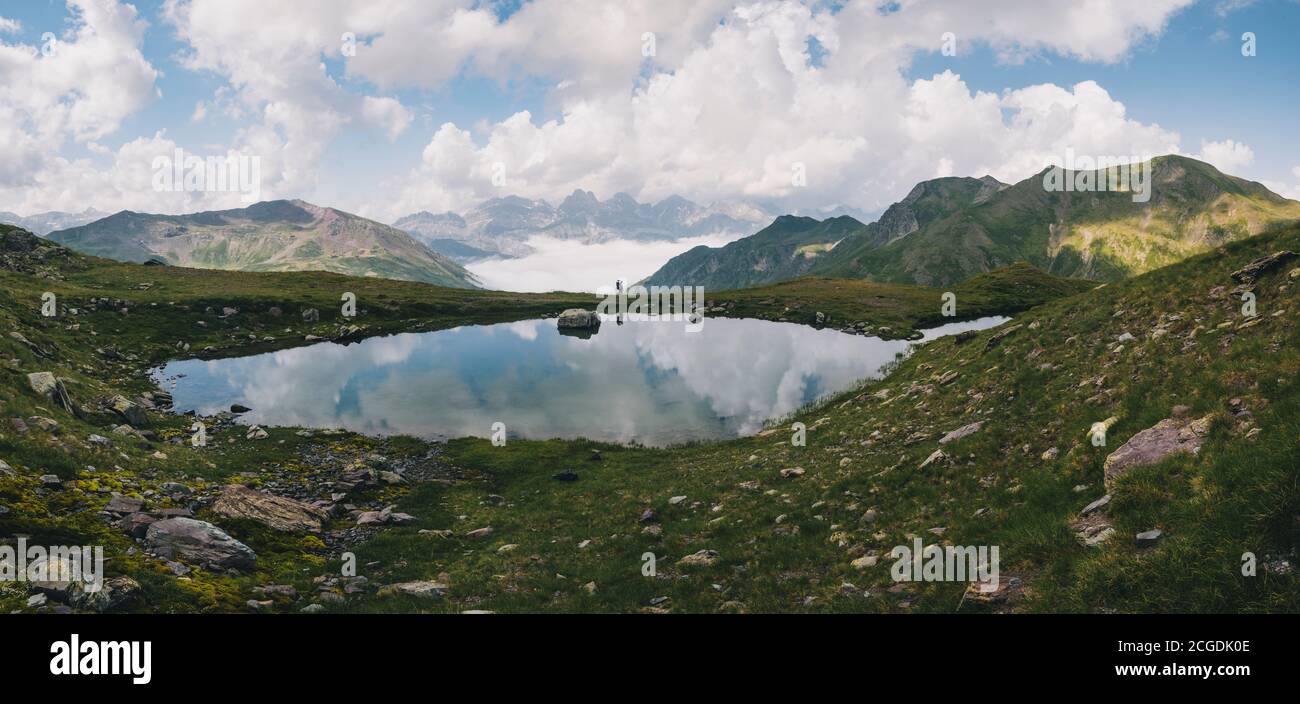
(199, 541)
(578, 318)
(1168, 437)
(1148, 538)
(961, 432)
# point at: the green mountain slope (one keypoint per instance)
(786, 249)
(1103, 236)
(268, 236)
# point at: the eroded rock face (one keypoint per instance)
(275, 512)
(1169, 436)
(128, 411)
(199, 541)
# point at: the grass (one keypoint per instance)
(783, 544)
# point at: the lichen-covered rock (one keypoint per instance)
(275, 512)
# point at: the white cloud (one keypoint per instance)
(8, 26)
(729, 105)
(1228, 156)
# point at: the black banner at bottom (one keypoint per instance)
(334, 653)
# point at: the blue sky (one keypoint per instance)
(1178, 75)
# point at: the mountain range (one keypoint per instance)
(281, 235)
(950, 229)
(502, 226)
(44, 223)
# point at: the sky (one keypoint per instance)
(387, 107)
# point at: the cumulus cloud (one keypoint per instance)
(76, 88)
(1228, 156)
(711, 99)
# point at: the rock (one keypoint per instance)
(864, 562)
(238, 408)
(6, 470)
(1098, 504)
(310, 315)
(935, 458)
(43, 383)
(578, 318)
(391, 478)
(565, 476)
(199, 541)
(312, 609)
(1168, 437)
(1099, 538)
(36, 600)
(648, 516)
(124, 504)
(133, 414)
(673, 501)
(870, 516)
(49, 425)
(961, 432)
(136, 525)
(478, 533)
(275, 512)
(1050, 454)
(703, 558)
(1148, 538)
(792, 472)
(51, 480)
(423, 589)
(1252, 271)
(114, 593)
(654, 531)
(256, 433)
(99, 441)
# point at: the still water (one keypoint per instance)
(648, 382)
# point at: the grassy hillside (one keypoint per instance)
(268, 236)
(786, 249)
(893, 310)
(1131, 351)
(1103, 236)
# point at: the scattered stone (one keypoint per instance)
(1148, 538)
(961, 432)
(676, 500)
(1098, 504)
(124, 504)
(703, 558)
(256, 433)
(792, 472)
(479, 533)
(423, 589)
(864, 562)
(936, 457)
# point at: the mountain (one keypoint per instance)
(1103, 236)
(277, 235)
(45, 223)
(795, 246)
(786, 249)
(950, 229)
(504, 225)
